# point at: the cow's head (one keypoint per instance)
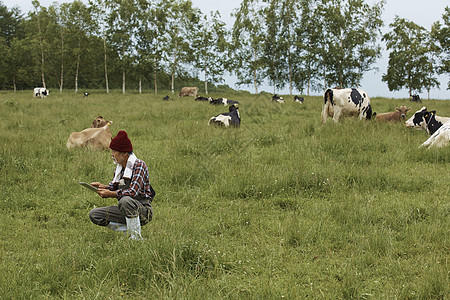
(403, 110)
(233, 107)
(100, 122)
(417, 120)
(432, 124)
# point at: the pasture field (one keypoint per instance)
(282, 207)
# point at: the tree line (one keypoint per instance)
(307, 45)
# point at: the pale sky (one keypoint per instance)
(422, 12)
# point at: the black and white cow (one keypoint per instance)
(40, 92)
(85, 94)
(299, 99)
(278, 99)
(201, 98)
(426, 120)
(415, 98)
(222, 101)
(231, 118)
(440, 138)
(346, 102)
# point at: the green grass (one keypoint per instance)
(282, 207)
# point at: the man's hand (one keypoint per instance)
(99, 185)
(105, 193)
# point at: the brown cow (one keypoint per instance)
(188, 91)
(397, 115)
(93, 138)
(99, 122)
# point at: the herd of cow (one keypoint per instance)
(337, 103)
(350, 102)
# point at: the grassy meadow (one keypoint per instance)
(282, 207)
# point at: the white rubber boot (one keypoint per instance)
(117, 226)
(134, 228)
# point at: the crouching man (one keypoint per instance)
(130, 186)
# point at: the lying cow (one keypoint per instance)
(188, 91)
(439, 138)
(422, 117)
(278, 99)
(346, 102)
(203, 98)
(167, 98)
(396, 116)
(231, 118)
(99, 122)
(40, 92)
(94, 138)
(299, 99)
(222, 101)
(415, 98)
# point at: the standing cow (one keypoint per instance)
(40, 92)
(188, 91)
(346, 102)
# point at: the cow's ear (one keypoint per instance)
(433, 112)
(397, 109)
(426, 115)
(408, 109)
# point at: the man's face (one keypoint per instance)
(119, 157)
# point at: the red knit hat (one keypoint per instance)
(121, 142)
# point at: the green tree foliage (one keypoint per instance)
(10, 34)
(409, 62)
(350, 32)
(247, 44)
(441, 34)
(308, 45)
(211, 49)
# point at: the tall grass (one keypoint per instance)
(283, 206)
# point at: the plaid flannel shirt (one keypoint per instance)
(140, 184)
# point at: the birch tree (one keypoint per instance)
(247, 44)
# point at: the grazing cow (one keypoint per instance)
(299, 99)
(278, 99)
(346, 102)
(397, 115)
(99, 122)
(167, 98)
(188, 91)
(231, 118)
(222, 101)
(203, 99)
(40, 92)
(422, 118)
(94, 138)
(415, 98)
(439, 138)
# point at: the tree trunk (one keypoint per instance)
(42, 54)
(154, 79)
(62, 63)
(254, 73)
(106, 69)
(174, 67)
(77, 70)
(123, 82)
(140, 86)
(206, 78)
